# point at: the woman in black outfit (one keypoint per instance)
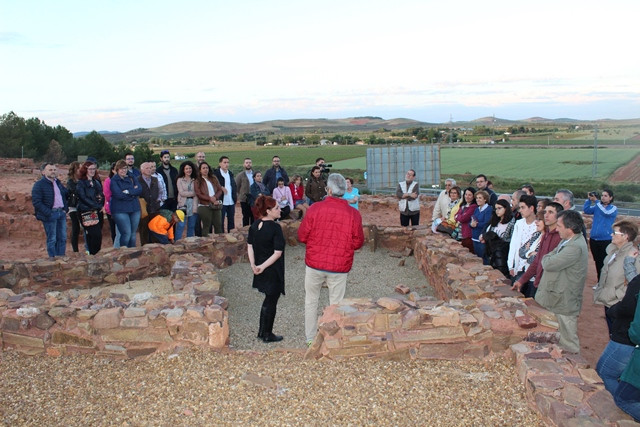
(91, 199)
(72, 200)
(265, 247)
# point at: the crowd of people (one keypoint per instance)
(203, 199)
(160, 202)
(540, 244)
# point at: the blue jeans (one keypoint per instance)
(56, 231)
(191, 226)
(479, 248)
(127, 224)
(611, 364)
(627, 397)
(230, 212)
(160, 238)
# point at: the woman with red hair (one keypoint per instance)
(265, 247)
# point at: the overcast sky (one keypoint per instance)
(120, 65)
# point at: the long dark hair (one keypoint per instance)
(73, 167)
(464, 202)
(113, 166)
(508, 214)
(210, 175)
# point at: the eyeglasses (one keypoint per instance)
(617, 233)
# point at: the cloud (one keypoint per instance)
(12, 38)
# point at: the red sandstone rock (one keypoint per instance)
(526, 322)
(402, 289)
(391, 304)
(107, 318)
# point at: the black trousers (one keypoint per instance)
(404, 219)
(599, 253)
(247, 215)
(93, 235)
(75, 229)
(268, 313)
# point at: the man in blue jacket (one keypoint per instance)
(49, 198)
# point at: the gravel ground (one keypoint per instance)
(374, 275)
(200, 387)
(247, 387)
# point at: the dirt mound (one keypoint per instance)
(627, 173)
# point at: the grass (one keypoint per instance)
(547, 169)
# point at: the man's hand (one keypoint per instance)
(516, 286)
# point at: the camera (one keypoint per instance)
(593, 194)
(325, 167)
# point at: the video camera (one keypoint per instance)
(325, 167)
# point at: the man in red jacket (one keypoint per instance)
(332, 231)
(550, 239)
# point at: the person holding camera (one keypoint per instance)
(316, 187)
(604, 215)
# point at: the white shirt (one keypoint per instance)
(522, 232)
(228, 198)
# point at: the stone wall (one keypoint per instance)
(114, 325)
(475, 314)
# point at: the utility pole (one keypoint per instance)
(594, 167)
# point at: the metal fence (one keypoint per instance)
(386, 166)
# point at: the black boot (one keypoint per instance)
(268, 335)
(263, 316)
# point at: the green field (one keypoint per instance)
(508, 167)
(523, 163)
(533, 163)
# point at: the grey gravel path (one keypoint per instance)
(374, 275)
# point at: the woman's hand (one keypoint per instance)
(257, 269)
(516, 286)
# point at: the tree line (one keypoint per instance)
(33, 138)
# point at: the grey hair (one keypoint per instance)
(566, 194)
(451, 180)
(44, 165)
(572, 220)
(337, 184)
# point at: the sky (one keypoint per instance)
(119, 65)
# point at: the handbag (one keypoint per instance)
(89, 218)
(143, 208)
(445, 228)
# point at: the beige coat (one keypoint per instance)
(184, 192)
(612, 284)
(565, 271)
(442, 205)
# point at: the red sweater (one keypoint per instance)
(296, 193)
(332, 230)
(464, 218)
(549, 241)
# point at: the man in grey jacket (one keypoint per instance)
(562, 282)
(244, 180)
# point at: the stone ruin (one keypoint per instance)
(46, 308)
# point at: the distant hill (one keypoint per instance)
(350, 124)
(101, 132)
